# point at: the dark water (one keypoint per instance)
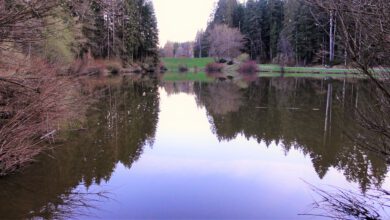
(201, 151)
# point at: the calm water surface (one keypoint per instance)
(220, 150)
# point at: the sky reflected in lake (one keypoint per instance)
(200, 151)
(189, 173)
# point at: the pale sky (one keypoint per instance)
(179, 20)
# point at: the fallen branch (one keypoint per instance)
(18, 84)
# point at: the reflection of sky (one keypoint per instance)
(188, 173)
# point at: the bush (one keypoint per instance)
(231, 62)
(183, 68)
(114, 68)
(222, 60)
(162, 68)
(214, 67)
(35, 105)
(249, 67)
(243, 57)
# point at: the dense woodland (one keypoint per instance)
(62, 30)
(295, 32)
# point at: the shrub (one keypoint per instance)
(249, 67)
(183, 68)
(231, 62)
(214, 67)
(243, 57)
(222, 60)
(114, 68)
(35, 103)
(162, 68)
(95, 67)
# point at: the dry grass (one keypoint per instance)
(95, 67)
(34, 104)
(338, 203)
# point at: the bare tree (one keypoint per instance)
(225, 42)
(21, 21)
(169, 49)
(364, 28)
(286, 52)
(332, 37)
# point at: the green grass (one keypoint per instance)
(308, 75)
(173, 73)
(277, 69)
(267, 70)
(173, 63)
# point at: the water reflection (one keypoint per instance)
(308, 115)
(119, 126)
(233, 170)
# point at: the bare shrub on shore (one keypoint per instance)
(214, 68)
(21, 22)
(34, 105)
(340, 203)
(249, 67)
(183, 68)
(364, 28)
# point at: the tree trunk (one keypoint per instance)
(331, 38)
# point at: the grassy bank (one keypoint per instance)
(196, 71)
(173, 63)
(272, 68)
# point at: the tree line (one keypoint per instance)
(176, 49)
(289, 31)
(58, 29)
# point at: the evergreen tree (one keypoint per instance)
(275, 8)
(201, 45)
(121, 29)
(224, 12)
(253, 30)
(307, 34)
(93, 29)
(239, 16)
(149, 33)
(279, 28)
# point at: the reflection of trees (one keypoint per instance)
(292, 113)
(222, 98)
(172, 88)
(120, 124)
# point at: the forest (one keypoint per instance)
(298, 32)
(62, 30)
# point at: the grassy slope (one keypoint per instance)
(173, 63)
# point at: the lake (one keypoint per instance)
(222, 150)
